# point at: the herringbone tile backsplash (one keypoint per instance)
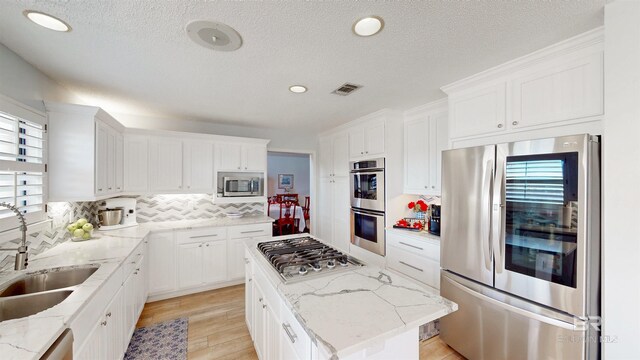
(150, 208)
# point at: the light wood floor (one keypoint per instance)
(217, 329)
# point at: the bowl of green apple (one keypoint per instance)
(80, 230)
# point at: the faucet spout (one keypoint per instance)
(22, 255)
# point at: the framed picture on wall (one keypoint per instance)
(285, 181)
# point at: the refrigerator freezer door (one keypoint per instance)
(486, 328)
(467, 176)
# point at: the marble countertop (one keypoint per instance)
(30, 337)
(352, 310)
(418, 234)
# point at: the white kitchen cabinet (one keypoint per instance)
(190, 260)
(106, 338)
(202, 257)
(214, 258)
(367, 140)
(334, 155)
(162, 266)
(136, 163)
(259, 330)
(417, 256)
(119, 162)
(562, 90)
(198, 166)
(425, 137)
(478, 111)
(236, 259)
(325, 210)
(248, 290)
(241, 157)
(165, 164)
(83, 150)
(334, 218)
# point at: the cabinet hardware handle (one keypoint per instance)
(500, 126)
(361, 152)
(133, 262)
(188, 186)
(135, 273)
(250, 280)
(138, 269)
(139, 254)
(245, 168)
(409, 245)
(109, 314)
(411, 266)
(118, 188)
(201, 236)
(179, 186)
(146, 241)
(292, 336)
(200, 245)
(426, 187)
(99, 189)
(433, 186)
(366, 152)
(246, 261)
(514, 123)
(250, 232)
(238, 167)
(207, 245)
(104, 323)
(260, 300)
(264, 306)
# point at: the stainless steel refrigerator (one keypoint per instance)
(520, 249)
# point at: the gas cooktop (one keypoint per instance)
(301, 258)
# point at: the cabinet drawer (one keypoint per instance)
(293, 333)
(269, 292)
(252, 230)
(201, 235)
(420, 268)
(415, 246)
(130, 263)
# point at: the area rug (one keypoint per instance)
(166, 340)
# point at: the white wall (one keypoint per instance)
(287, 163)
(280, 139)
(25, 83)
(621, 181)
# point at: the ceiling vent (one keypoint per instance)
(346, 89)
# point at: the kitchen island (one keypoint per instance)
(364, 312)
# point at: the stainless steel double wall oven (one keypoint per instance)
(367, 205)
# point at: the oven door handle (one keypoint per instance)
(368, 171)
(366, 212)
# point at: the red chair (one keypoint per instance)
(287, 222)
(305, 212)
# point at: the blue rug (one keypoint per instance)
(166, 340)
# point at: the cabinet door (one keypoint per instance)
(325, 210)
(254, 158)
(111, 161)
(273, 330)
(356, 143)
(136, 163)
(439, 137)
(102, 137)
(114, 335)
(129, 305)
(198, 166)
(326, 157)
(415, 155)
(229, 157)
(236, 259)
(94, 346)
(141, 287)
(214, 261)
(478, 112)
(258, 321)
(190, 265)
(162, 270)
(165, 163)
(374, 139)
(341, 213)
(341, 155)
(248, 295)
(119, 163)
(556, 92)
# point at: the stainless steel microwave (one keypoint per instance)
(242, 186)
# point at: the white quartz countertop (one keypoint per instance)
(30, 337)
(425, 235)
(352, 310)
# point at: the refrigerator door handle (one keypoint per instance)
(577, 325)
(499, 209)
(486, 215)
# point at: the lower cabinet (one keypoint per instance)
(162, 254)
(415, 256)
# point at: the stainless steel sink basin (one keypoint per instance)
(35, 283)
(22, 306)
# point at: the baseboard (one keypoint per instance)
(173, 294)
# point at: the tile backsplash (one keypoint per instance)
(150, 208)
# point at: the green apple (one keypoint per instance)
(78, 233)
(71, 228)
(86, 236)
(87, 227)
(81, 222)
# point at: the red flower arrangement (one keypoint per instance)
(418, 206)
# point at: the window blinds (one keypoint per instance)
(535, 181)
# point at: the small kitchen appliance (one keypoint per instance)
(242, 186)
(117, 213)
(305, 257)
(434, 222)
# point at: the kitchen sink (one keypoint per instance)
(36, 283)
(22, 306)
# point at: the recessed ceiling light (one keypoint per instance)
(368, 26)
(48, 21)
(298, 89)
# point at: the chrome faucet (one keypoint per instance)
(22, 255)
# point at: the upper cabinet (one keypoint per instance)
(198, 165)
(165, 164)
(86, 153)
(241, 157)
(558, 85)
(425, 137)
(334, 155)
(366, 140)
(136, 163)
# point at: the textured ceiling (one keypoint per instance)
(135, 57)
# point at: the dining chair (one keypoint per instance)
(305, 212)
(287, 219)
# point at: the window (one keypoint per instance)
(22, 162)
